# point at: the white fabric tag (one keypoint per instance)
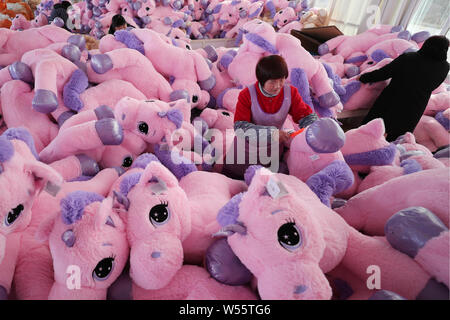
(276, 189)
(159, 187)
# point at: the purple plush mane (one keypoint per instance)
(23, 135)
(72, 206)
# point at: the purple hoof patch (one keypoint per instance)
(409, 230)
(64, 116)
(20, 71)
(208, 84)
(386, 295)
(89, 167)
(323, 49)
(329, 100)
(104, 112)
(325, 136)
(71, 52)
(3, 293)
(434, 291)
(352, 71)
(109, 131)
(101, 63)
(224, 266)
(44, 101)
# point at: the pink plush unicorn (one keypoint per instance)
(20, 23)
(34, 275)
(434, 133)
(314, 158)
(191, 74)
(365, 147)
(286, 20)
(22, 178)
(353, 48)
(90, 238)
(127, 64)
(272, 232)
(365, 212)
(13, 44)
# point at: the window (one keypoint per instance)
(432, 16)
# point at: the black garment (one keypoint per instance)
(403, 102)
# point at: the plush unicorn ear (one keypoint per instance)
(44, 176)
(375, 128)
(105, 216)
(184, 107)
(259, 181)
(156, 172)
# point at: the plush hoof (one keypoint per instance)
(323, 49)
(357, 59)
(224, 266)
(226, 60)
(352, 71)
(89, 167)
(71, 52)
(405, 35)
(64, 116)
(20, 71)
(104, 112)
(44, 101)
(443, 152)
(409, 230)
(143, 160)
(338, 203)
(208, 84)
(434, 291)
(385, 295)
(396, 29)
(120, 171)
(180, 94)
(211, 52)
(3, 293)
(325, 136)
(101, 63)
(420, 37)
(109, 131)
(329, 100)
(58, 22)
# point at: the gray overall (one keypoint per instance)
(257, 147)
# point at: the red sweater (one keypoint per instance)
(299, 109)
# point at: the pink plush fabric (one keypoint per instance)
(16, 99)
(194, 283)
(268, 235)
(430, 133)
(129, 65)
(427, 189)
(207, 193)
(433, 257)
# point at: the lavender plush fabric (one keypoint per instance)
(23, 135)
(350, 89)
(250, 173)
(6, 149)
(410, 166)
(379, 157)
(357, 59)
(174, 115)
(143, 160)
(443, 120)
(229, 213)
(379, 55)
(180, 167)
(261, 42)
(130, 40)
(76, 85)
(129, 182)
(299, 79)
(72, 206)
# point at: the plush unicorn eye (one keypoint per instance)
(289, 236)
(188, 47)
(194, 99)
(13, 215)
(143, 127)
(371, 62)
(226, 113)
(103, 269)
(127, 162)
(159, 214)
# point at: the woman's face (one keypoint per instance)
(122, 27)
(273, 86)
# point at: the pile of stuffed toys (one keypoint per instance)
(110, 177)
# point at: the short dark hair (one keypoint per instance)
(435, 48)
(271, 68)
(117, 20)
